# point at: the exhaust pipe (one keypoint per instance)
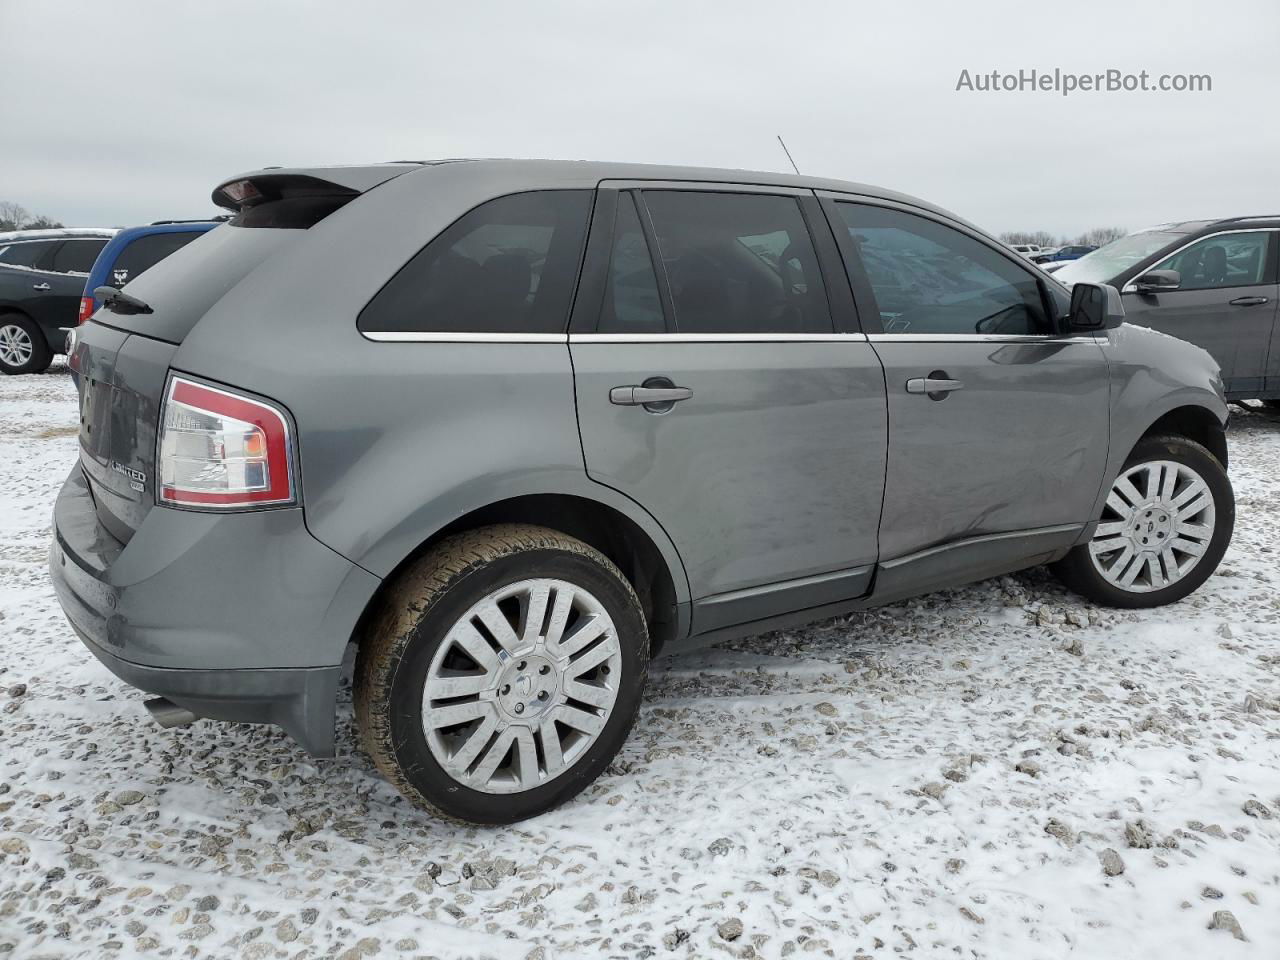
(167, 713)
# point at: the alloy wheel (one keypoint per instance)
(15, 345)
(1158, 522)
(521, 686)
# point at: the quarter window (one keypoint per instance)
(77, 256)
(631, 301)
(1228, 260)
(508, 266)
(931, 279)
(738, 263)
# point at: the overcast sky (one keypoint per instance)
(117, 112)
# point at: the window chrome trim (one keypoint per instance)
(418, 336)
(717, 337)
(1132, 285)
(976, 338)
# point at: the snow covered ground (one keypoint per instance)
(943, 777)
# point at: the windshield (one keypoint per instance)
(1106, 263)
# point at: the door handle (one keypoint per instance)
(936, 386)
(41, 286)
(1248, 301)
(633, 396)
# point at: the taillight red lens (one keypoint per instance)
(86, 309)
(220, 449)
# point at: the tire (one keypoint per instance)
(1154, 527)
(437, 630)
(23, 348)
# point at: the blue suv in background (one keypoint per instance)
(134, 250)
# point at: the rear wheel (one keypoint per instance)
(502, 673)
(1165, 526)
(22, 346)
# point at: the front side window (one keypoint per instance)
(738, 263)
(1227, 260)
(146, 252)
(631, 301)
(932, 279)
(508, 266)
(77, 256)
(26, 254)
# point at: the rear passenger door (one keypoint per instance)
(724, 388)
(998, 425)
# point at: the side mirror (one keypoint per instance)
(1158, 281)
(1094, 307)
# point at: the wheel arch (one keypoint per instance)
(1194, 414)
(644, 555)
(1195, 423)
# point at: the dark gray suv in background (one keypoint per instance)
(512, 428)
(1214, 283)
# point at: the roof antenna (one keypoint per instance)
(788, 153)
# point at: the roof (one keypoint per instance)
(57, 233)
(588, 172)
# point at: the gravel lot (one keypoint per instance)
(998, 771)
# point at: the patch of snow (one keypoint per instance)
(962, 774)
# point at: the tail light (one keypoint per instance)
(86, 309)
(223, 450)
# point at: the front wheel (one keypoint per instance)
(502, 674)
(1165, 526)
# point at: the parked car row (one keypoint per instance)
(1072, 251)
(48, 278)
(556, 418)
(1038, 254)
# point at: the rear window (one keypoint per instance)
(145, 252)
(25, 254)
(508, 266)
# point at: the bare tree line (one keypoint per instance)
(14, 216)
(1043, 238)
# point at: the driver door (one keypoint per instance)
(997, 425)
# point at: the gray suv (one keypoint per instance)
(513, 428)
(1214, 283)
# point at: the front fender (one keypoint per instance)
(1152, 375)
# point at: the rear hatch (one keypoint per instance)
(122, 358)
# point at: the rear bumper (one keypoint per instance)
(242, 617)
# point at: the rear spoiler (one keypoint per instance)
(280, 183)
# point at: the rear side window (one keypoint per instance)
(26, 254)
(77, 256)
(932, 279)
(145, 252)
(508, 266)
(631, 300)
(738, 263)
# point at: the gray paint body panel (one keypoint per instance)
(1021, 445)
(772, 470)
